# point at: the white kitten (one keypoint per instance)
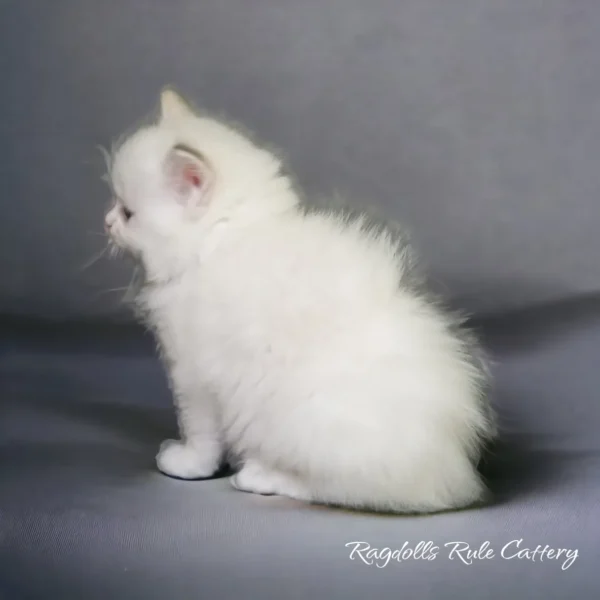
(294, 340)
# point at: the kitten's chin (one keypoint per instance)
(117, 240)
(118, 248)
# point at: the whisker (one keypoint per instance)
(113, 250)
(114, 290)
(106, 155)
(95, 258)
(128, 289)
(108, 160)
(126, 295)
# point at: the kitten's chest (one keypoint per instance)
(173, 313)
(237, 313)
(205, 319)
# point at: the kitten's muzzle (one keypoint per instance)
(109, 220)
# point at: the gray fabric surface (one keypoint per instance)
(475, 122)
(85, 514)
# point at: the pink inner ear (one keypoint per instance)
(191, 175)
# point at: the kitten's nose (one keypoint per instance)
(108, 221)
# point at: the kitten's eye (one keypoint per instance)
(127, 214)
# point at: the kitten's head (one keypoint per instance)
(175, 179)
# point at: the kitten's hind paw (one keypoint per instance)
(257, 479)
(183, 461)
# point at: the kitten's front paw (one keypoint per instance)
(185, 462)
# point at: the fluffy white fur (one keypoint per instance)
(294, 340)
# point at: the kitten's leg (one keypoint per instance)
(256, 478)
(198, 453)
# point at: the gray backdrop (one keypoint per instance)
(474, 122)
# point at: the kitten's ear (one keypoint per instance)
(173, 107)
(189, 176)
